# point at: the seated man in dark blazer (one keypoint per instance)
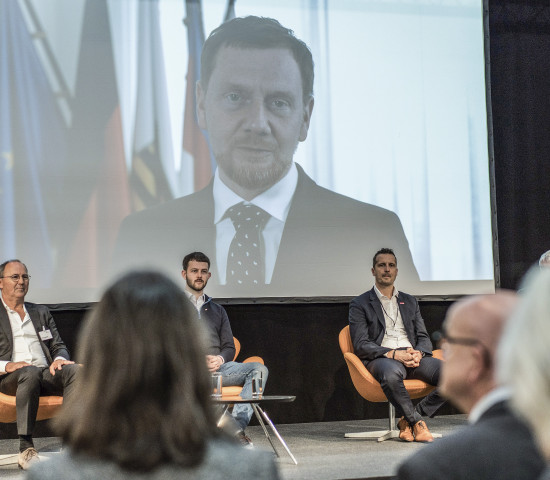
(496, 444)
(389, 335)
(34, 360)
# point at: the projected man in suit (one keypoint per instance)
(33, 358)
(389, 335)
(496, 444)
(266, 220)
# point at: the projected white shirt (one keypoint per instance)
(275, 201)
(395, 336)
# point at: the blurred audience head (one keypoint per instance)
(524, 358)
(544, 260)
(143, 396)
(472, 330)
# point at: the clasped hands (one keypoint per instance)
(409, 357)
(213, 362)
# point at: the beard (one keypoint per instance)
(252, 175)
(192, 286)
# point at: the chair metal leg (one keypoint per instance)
(380, 435)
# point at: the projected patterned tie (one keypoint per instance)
(245, 261)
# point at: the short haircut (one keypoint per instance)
(142, 396)
(195, 256)
(5, 264)
(257, 33)
(383, 251)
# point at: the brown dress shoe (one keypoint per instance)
(27, 458)
(405, 430)
(421, 432)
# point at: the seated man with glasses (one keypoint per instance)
(34, 360)
(496, 445)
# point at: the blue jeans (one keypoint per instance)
(241, 374)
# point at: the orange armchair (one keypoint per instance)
(369, 388)
(234, 390)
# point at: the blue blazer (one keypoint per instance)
(368, 326)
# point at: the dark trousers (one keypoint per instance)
(28, 383)
(391, 373)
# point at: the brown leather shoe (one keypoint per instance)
(421, 432)
(405, 430)
(27, 458)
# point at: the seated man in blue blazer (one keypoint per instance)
(389, 335)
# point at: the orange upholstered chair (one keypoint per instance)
(233, 391)
(369, 388)
(48, 406)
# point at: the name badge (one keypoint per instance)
(45, 335)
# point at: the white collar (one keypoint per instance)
(275, 200)
(495, 396)
(380, 295)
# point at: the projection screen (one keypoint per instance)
(104, 167)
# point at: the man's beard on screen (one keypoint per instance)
(255, 176)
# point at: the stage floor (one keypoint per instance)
(321, 450)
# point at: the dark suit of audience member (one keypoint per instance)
(34, 360)
(496, 445)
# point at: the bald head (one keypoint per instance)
(482, 317)
(473, 328)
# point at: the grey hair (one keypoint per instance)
(523, 362)
(544, 260)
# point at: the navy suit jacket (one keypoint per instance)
(325, 234)
(368, 326)
(498, 446)
(41, 319)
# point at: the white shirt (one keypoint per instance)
(198, 302)
(497, 395)
(276, 201)
(26, 346)
(396, 335)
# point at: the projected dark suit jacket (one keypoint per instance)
(498, 446)
(368, 326)
(326, 248)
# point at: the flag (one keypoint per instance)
(153, 169)
(195, 145)
(32, 150)
(100, 194)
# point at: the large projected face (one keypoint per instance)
(140, 161)
(254, 113)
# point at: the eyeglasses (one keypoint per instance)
(16, 278)
(468, 342)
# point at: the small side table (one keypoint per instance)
(260, 414)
